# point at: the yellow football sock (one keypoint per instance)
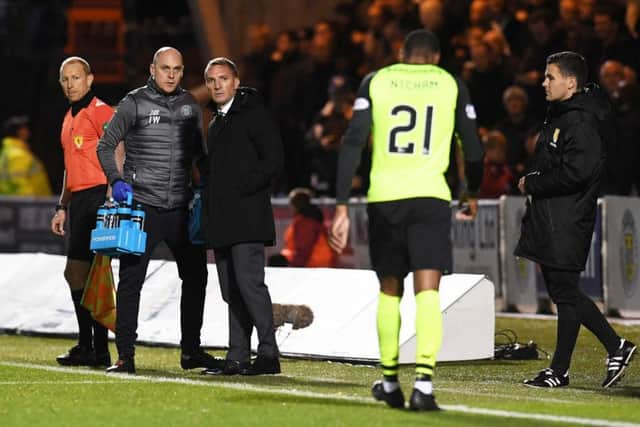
(428, 331)
(388, 323)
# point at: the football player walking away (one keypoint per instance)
(412, 109)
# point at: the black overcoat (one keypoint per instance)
(563, 184)
(244, 155)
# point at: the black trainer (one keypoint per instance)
(618, 362)
(200, 359)
(395, 399)
(122, 366)
(77, 356)
(422, 402)
(547, 378)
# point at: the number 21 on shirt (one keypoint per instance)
(410, 118)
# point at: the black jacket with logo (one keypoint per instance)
(564, 183)
(162, 136)
(244, 155)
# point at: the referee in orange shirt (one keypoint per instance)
(84, 188)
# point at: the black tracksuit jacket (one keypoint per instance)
(564, 182)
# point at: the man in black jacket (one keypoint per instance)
(160, 124)
(562, 191)
(245, 154)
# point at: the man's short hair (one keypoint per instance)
(570, 64)
(221, 60)
(614, 12)
(494, 139)
(420, 42)
(76, 60)
(542, 15)
(13, 124)
(515, 92)
(300, 197)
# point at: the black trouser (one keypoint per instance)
(169, 226)
(241, 275)
(574, 309)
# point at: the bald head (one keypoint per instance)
(167, 68)
(166, 50)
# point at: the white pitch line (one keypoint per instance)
(316, 379)
(295, 377)
(540, 417)
(509, 396)
(456, 391)
(302, 393)
(60, 382)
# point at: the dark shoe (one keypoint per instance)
(102, 360)
(229, 367)
(126, 366)
(395, 399)
(618, 362)
(77, 356)
(547, 378)
(263, 366)
(422, 402)
(200, 359)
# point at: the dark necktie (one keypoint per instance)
(218, 121)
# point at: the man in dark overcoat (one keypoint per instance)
(244, 155)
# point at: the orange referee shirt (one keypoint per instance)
(79, 137)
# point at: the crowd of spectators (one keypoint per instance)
(308, 77)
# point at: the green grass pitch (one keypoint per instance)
(34, 391)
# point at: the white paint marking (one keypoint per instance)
(301, 393)
(316, 379)
(60, 382)
(510, 396)
(542, 417)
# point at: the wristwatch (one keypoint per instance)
(60, 207)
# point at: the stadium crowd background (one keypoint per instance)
(308, 74)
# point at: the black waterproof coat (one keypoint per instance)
(564, 182)
(245, 154)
